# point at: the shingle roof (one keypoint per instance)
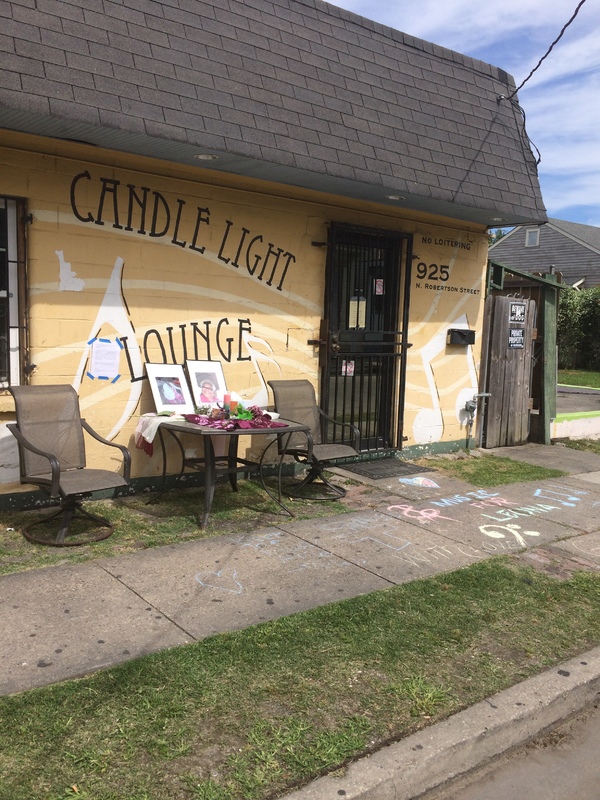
(568, 247)
(588, 235)
(296, 91)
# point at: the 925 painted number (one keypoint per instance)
(433, 272)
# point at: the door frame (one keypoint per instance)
(398, 245)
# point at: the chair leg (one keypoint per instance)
(314, 474)
(66, 520)
(339, 491)
(67, 513)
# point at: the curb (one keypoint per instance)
(467, 740)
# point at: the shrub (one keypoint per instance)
(578, 328)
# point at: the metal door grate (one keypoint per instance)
(363, 373)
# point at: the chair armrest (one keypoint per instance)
(299, 452)
(354, 431)
(309, 445)
(54, 463)
(124, 450)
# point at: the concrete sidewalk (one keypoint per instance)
(68, 621)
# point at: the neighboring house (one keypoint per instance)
(568, 248)
(281, 186)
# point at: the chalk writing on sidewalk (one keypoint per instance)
(226, 582)
(420, 556)
(467, 497)
(504, 514)
(382, 538)
(416, 555)
(424, 515)
(419, 480)
(491, 502)
(291, 551)
(560, 494)
(587, 545)
(495, 532)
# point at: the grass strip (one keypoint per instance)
(139, 525)
(579, 377)
(490, 470)
(588, 445)
(173, 518)
(246, 715)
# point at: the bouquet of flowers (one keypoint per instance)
(254, 412)
(253, 417)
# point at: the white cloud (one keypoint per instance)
(466, 24)
(560, 99)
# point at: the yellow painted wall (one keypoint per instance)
(215, 269)
(448, 288)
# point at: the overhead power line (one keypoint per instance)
(547, 53)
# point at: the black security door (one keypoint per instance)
(363, 336)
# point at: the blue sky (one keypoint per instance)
(562, 98)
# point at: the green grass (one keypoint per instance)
(246, 715)
(173, 517)
(249, 714)
(169, 520)
(588, 445)
(490, 470)
(579, 377)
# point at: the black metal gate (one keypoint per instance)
(363, 336)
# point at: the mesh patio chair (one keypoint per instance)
(49, 431)
(295, 400)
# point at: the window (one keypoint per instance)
(532, 237)
(13, 330)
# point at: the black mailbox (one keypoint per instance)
(460, 336)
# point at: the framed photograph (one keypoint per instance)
(170, 388)
(207, 381)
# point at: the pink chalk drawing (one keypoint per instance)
(424, 515)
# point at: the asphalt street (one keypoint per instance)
(563, 764)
